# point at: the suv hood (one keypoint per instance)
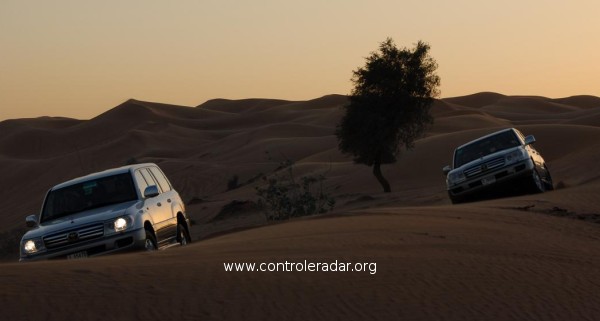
(82, 218)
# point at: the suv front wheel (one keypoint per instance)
(456, 199)
(537, 185)
(549, 183)
(150, 242)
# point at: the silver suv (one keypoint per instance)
(488, 163)
(126, 208)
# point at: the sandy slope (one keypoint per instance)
(473, 262)
(510, 259)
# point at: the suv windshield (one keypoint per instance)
(88, 195)
(485, 147)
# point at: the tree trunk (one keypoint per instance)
(384, 183)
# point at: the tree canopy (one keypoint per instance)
(389, 105)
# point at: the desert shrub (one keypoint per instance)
(284, 196)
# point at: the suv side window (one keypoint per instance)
(148, 177)
(162, 181)
(141, 182)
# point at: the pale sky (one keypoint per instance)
(80, 58)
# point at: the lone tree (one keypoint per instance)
(389, 105)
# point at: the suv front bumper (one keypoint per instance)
(125, 241)
(492, 180)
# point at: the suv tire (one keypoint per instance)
(537, 185)
(549, 184)
(456, 200)
(150, 243)
(183, 236)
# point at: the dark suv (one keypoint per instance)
(131, 207)
(502, 158)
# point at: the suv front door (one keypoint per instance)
(159, 209)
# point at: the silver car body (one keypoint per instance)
(520, 160)
(92, 232)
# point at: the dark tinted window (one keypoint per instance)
(162, 181)
(485, 147)
(89, 195)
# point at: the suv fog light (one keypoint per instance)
(120, 224)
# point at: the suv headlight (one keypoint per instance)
(515, 156)
(117, 225)
(120, 224)
(32, 246)
(456, 177)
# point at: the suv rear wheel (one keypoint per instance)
(183, 237)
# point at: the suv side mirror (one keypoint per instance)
(529, 140)
(447, 169)
(151, 191)
(31, 221)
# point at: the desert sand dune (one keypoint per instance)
(475, 100)
(581, 101)
(40, 122)
(452, 263)
(529, 257)
(223, 132)
(241, 106)
(590, 117)
(450, 124)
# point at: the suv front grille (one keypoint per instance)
(484, 167)
(74, 236)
